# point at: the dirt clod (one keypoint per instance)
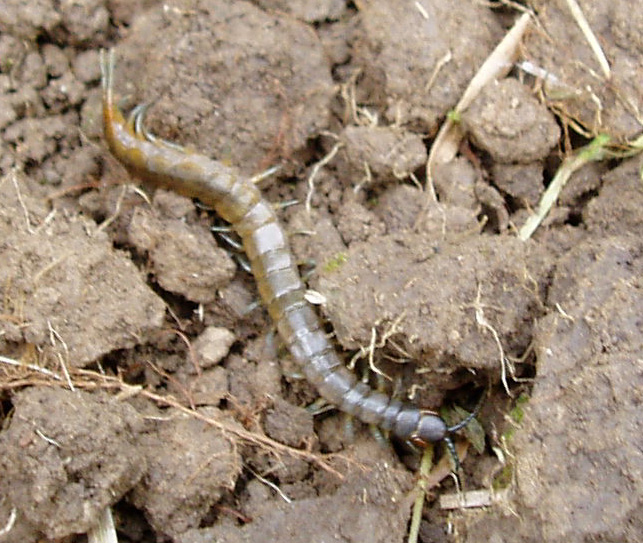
(289, 424)
(213, 345)
(187, 416)
(69, 291)
(185, 258)
(382, 152)
(389, 284)
(401, 50)
(187, 475)
(66, 456)
(280, 99)
(506, 111)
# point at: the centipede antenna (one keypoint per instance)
(462, 423)
(454, 454)
(466, 420)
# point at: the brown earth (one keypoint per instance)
(136, 370)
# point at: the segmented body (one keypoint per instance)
(239, 202)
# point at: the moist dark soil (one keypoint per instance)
(139, 373)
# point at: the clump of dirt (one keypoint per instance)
(594, 350)
(233, 99)
(433, 322)
(60, 274)
(582, 424)
(382, 494)
(66, 456)
(400, 52)
(576, 86)
(617, 211)
(181, 483)
(386, 154)
(177, 258)
(310, 12)
(507, 112)
(137, 371)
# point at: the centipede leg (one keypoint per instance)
(318, 406)
(136, 121)
(382, 440)
(349, 428)
(264, 174)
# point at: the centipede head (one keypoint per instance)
(430, 429)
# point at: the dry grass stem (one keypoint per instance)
(581, 21)
(595, 151)
(482, 321)
(32, 367)
(271, 485)
(104, 531)
(91, 380)
(117, 211)
(496, 66)
(315, 170)
(10, 522)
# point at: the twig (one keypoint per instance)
(496, 66)
(53, 334)
(25, 211)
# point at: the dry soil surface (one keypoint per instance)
(137, 371)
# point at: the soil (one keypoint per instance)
(138, 372)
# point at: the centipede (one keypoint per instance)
(237, 200)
